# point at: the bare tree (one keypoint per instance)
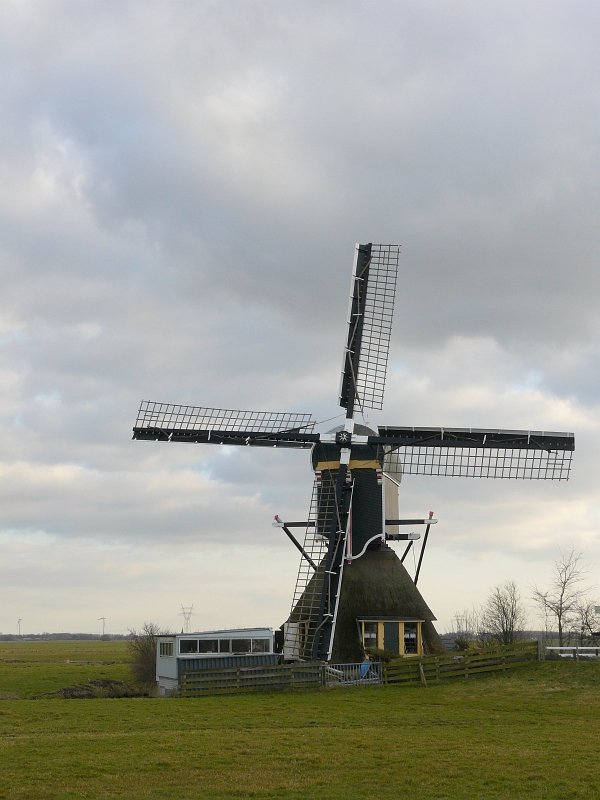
(588, 619)
(466, 628)
(142, 646)
(560, 602)
(502, 617)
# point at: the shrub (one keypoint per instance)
(142, 646)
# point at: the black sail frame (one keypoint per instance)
(370, 319)
(181, 423)
(477, 453)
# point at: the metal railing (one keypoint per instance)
(359, 674)
(573, 651)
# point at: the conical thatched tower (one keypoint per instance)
(378, 590)
(380, 608)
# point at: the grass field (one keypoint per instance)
(29, 669)
(529, 734)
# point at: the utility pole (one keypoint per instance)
(103, 624)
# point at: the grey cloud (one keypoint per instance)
(182, 188)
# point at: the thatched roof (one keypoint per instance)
(375, 585)
(378, 585)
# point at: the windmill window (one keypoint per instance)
(398, 637)
(410, 637)
(188, 646)
(370, 634)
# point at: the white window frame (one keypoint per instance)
(163, 646)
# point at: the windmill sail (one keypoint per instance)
(369, 326)
(179, 423)
(477, 453)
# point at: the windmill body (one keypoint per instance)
(352, 591)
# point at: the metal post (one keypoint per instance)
(423, 548)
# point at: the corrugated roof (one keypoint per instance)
(224, 662)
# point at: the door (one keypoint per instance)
(391, 641)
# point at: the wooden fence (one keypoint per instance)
(271, 678)
(459, 665)
(309, 675)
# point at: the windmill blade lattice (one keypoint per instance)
(470, 462)
(370, 325)
(377, 326)
(172, 422)
(478, 453)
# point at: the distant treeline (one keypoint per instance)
(450, 639)
(51, 637)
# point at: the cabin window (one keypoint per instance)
(241, 645)
(261, 645)
(208, 646)
(188, 646)
(165, 649)
(224, 645)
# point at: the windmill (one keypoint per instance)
(345, 560)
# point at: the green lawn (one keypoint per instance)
(29, 669)
(529, 734)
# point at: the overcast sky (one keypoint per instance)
(181, 188)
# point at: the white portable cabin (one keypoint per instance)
(186, 652)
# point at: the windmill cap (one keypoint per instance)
(359, 430)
